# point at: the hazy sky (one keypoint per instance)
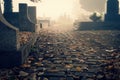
(93, 5)
(74, 8)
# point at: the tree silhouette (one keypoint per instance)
(96, 18)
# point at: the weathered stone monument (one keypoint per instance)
(9, 42)
(112, 12)
(11, 53)
(7, 6)
(9, 35)
(25, 23)
(32, 14)
(9, 15)
(111, 20)
(25, 19)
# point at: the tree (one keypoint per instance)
(95, 17)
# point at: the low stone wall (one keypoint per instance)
(10, 59)
(99, 26)
(25, 50)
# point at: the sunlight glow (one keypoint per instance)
(55, 8)
(62, 13)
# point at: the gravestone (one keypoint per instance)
(44, 23)
(112, 11)
(21, 19)
(111, 19)
(32, 14)
(11, 53)
(9, 43)
(32, 17)
(9, 38)
(25, 23)
(9, 15)
(12, 18)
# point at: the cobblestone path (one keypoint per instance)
(75, 55)
(70, 55)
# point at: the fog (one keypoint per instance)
(93, 5)
(69, 10)
(73, 8)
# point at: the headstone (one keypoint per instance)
(44, 23)
(12, 18)
(24, 21)
(9, 35)
(112, 12)
(32, 14)
(32, 17)
(9, 15)
(9, 43)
